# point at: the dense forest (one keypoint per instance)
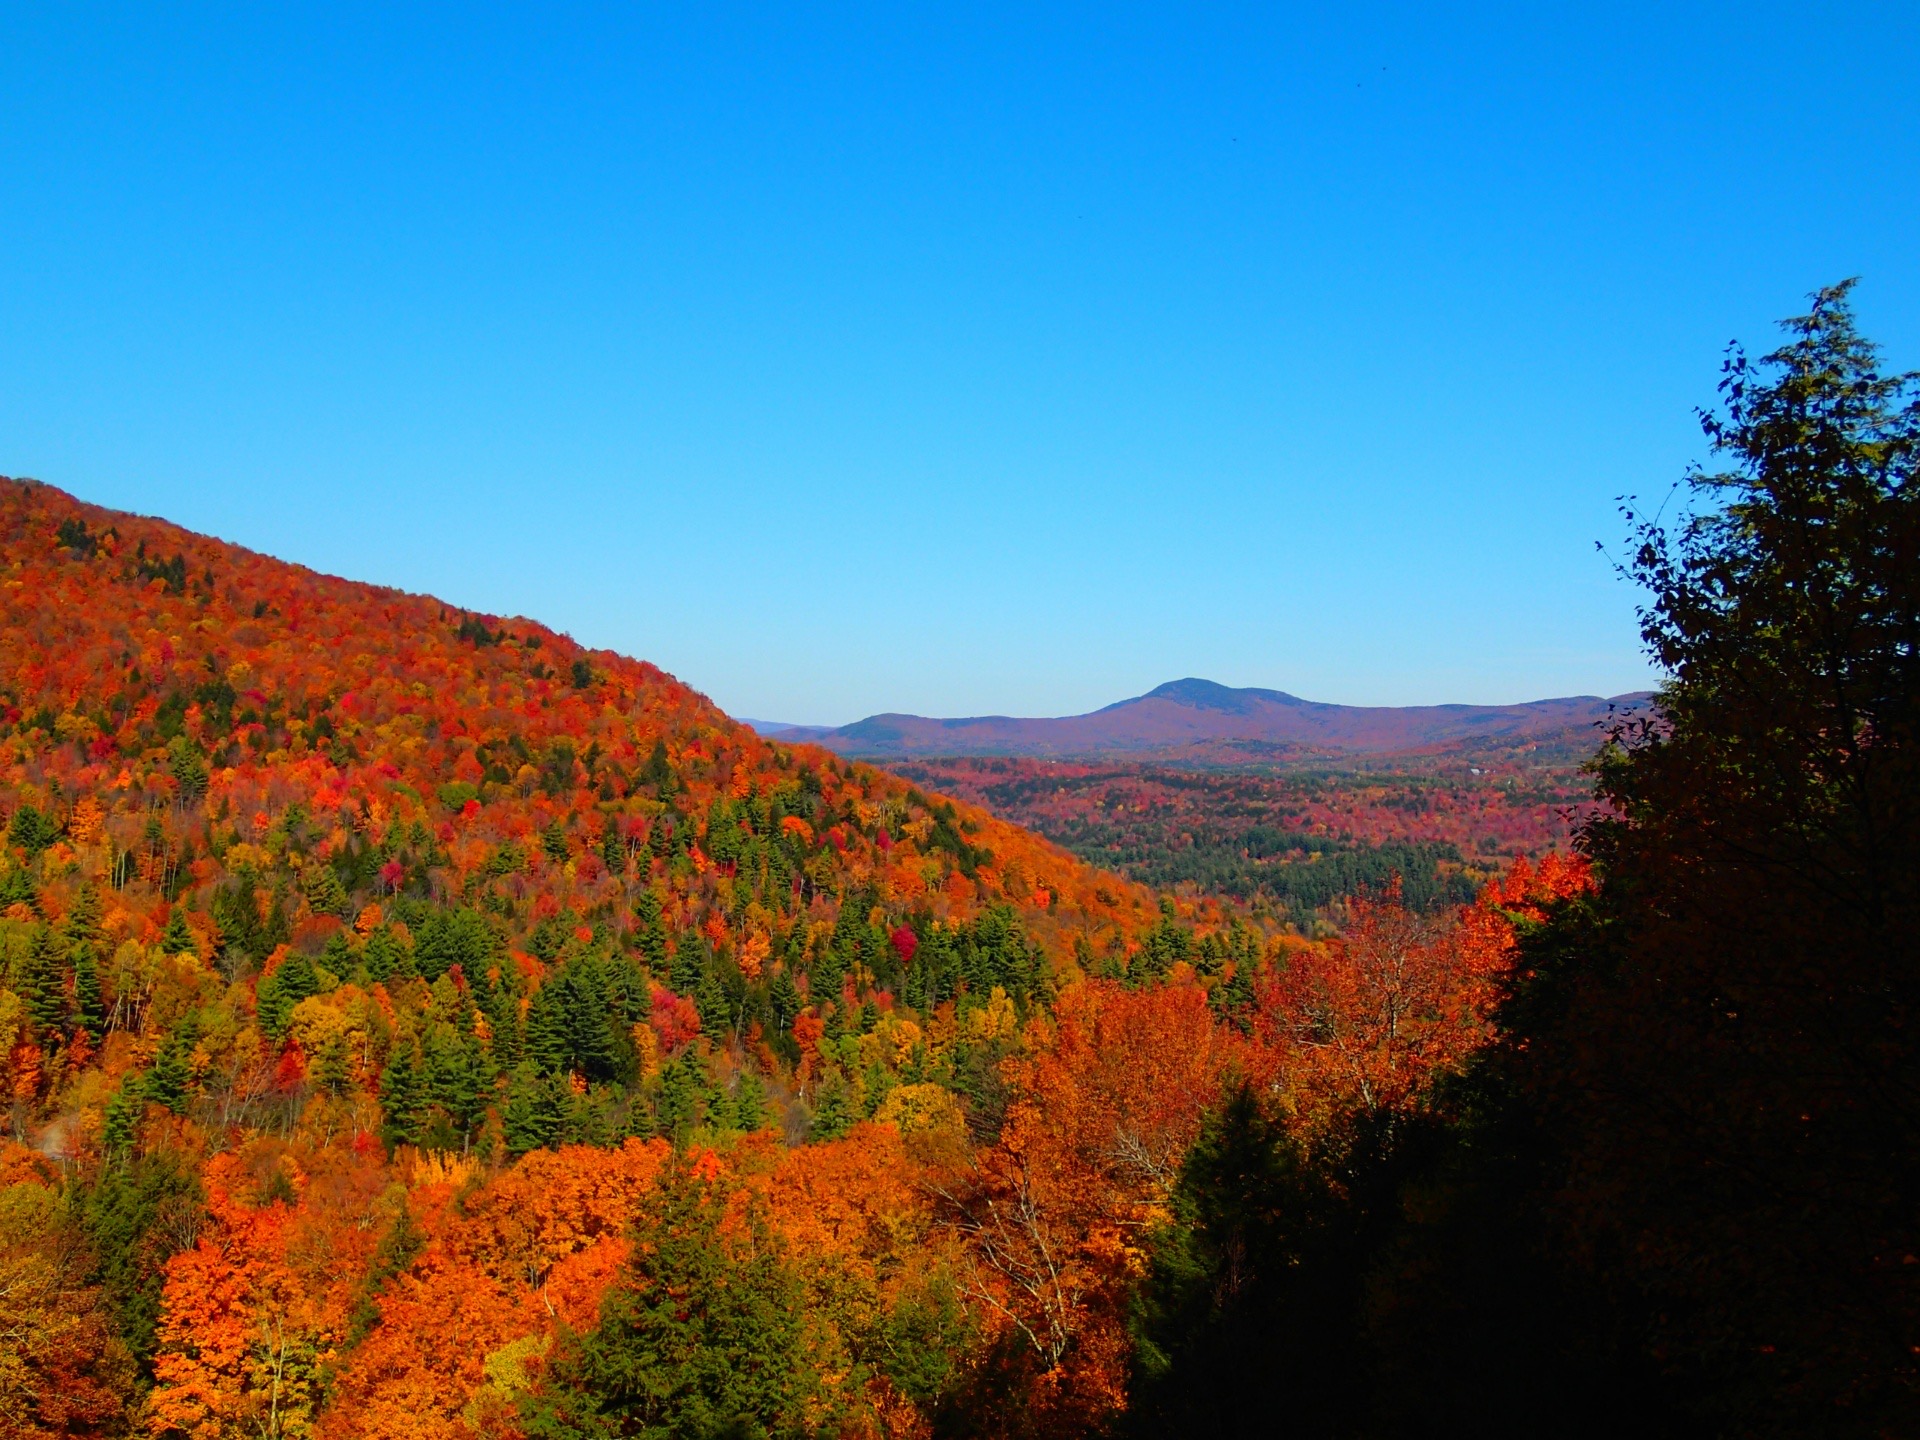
(414, 1024)
(1293, 842)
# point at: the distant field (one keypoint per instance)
(1294, 841)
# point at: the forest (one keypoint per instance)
(415, 1024)
(1292, 843)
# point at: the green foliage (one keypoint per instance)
(292, 981)
(31, 830)
(136, 1216)
(535, 1110)
(701, 1336)
(402, 1098)
(170, 1079)
(681, 1086)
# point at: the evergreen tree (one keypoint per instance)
(595, 1047)
(167, 1081)
(1722, 1044)
(325, 894)
(81, 924)
(690, 964)
(650, 932)
(385, 958)
(833, 1113)
(292, 981)
(1251, 1305)
(784, 996)
(402, 1101)
(41, 985)
(546, 1033)
(701, 1336)
(456, 1078)
(177, 939)
(710, 999)
(749, 1102)
(534, 1112)
(680, 1086)
(135, 1215)
(31, 830)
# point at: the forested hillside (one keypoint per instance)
(415, 1024)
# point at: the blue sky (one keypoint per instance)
(947, 360)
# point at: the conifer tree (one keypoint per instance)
(292, 981)
(401, 1097)
(545, 1045)
(650, 934)
(833, 1114)
(700, 1337)
(749, 1102)
(41, 984)
(534, 1114)
(680, 1087)
(177, 939)
(784, 997)
(166, 1083)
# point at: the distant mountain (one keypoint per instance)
(1200, 719)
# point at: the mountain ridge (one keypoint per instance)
(1182, 716)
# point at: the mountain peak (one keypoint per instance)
(1211, 695)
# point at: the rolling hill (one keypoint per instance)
(1200, 720)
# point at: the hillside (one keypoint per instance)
(1200, 721)
(203, 711)
(394, 1002)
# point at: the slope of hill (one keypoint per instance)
(395, 1003)
(1199, 720)
(205, 711)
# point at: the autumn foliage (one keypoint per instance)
(396, 1004)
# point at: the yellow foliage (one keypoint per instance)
(917, 1108)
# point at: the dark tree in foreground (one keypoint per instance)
(1681, 1193)
(1728, 1048)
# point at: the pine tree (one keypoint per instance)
(650, 934)
(325, 894)
(385, 958)
(40, 983)
(82, 920)
(833, 1115)
(292, 981)
(177, 939)
(680, 1087)
(613, 849)
(545, 1045)
(690, 964)
(785, 998)
(455, 1078)
(749, 1102)
(534, 1113)
(701, 1336)
(401, 1099)
(710, 999)
(166, 1083)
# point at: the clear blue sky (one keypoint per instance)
(953, 361)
